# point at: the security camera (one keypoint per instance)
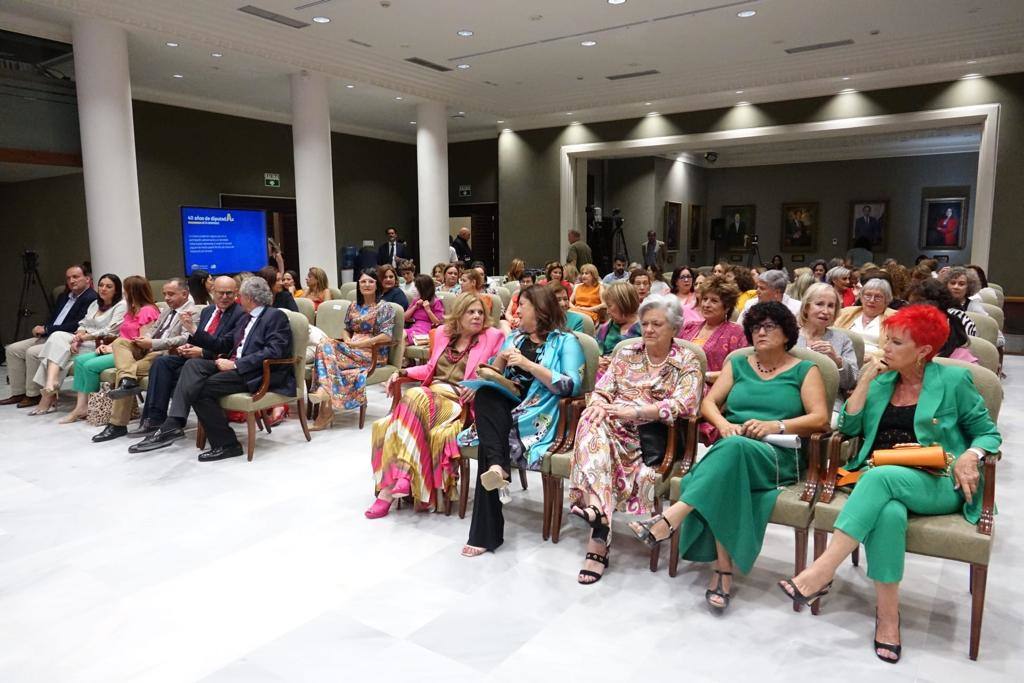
(711, 157)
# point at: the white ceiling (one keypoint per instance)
(527, 67)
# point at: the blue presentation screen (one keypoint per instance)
(223, 240)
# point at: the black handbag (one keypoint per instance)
(653, 442)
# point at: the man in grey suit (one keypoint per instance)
(579, 253)
(653, 251)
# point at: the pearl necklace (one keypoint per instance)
(652, 363)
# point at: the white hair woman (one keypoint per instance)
(818, 310)
(651, 380)
(839, 277)
(867, 318)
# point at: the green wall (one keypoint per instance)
(528, 164)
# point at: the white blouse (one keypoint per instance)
(98, 324)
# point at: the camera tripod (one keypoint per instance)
(30, 277)
(753, 250)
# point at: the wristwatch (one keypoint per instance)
(978, 452)
(782, 427)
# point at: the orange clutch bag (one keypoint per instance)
(932, 458)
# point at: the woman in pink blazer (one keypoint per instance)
(414, 451)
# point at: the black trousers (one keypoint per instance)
(493, 412)
(200, 386)
(163, 379)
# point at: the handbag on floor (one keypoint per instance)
(98, 413)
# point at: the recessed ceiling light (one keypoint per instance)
(171, 44)
(647, 104)
(412, 123)
(568, 113)
(616, 2)
(462, 66)
(746, 14)
(398, 97)
(968, 77)
(216, 55)
(739, 92)
(178, 76)
(501, 120)
(845, 78)
(588, 43)
(349, 86)
(847, 91)
(742, 103)
(321, 20)
(462, 113)
(652, 113)
(576, 123)
(972, 61)
(506, 130)
(465, 33)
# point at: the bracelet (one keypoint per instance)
(978, 452)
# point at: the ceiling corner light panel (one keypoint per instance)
(321, 20)
(746, 14)
(465, 33)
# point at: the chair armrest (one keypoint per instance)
(834, 452)
(396, 389)
(569, 411)
(374, 354)
(817, 463)
(265, 382)
(988, 498)
(690, 443)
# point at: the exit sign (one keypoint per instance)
(272, 179)
(465, 190)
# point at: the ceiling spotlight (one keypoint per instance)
(742, 103)
(216, 55)
(398, 97)
(616, 2)
(501, 121)
(506, 130)
(349, 86)
(847, 91)
(462, 113)
(462, 66)
(321, 20)
(652, 113)
(171, 44)
(412, 123)
(739, 92)
(972, 61)
(746, 14)
(178, 76)
(968, 77)
(647, 104)
(576, 123)
(589, 43)
(465, 33)
(568, 113)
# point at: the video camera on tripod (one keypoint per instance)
(29, 278)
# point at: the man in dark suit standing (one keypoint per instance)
(392, 251)
(211, 337)
(868, 226)
(23, 356)
(736, 233)
(462, 249)
(266, 334)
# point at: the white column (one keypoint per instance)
(314, 179)
(432, 182)
(108, 147)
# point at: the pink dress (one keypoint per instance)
(420, 323)
(134, 322)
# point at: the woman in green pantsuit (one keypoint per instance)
(731, 492)
(903, 398)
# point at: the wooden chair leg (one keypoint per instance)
(362, 416)
(557, 503)
(545, 486)
(522, 478)
(800, 561)
(820, 542)
(261, 422)
(250, 419)
(200, 437)
(673, 553)
(656, 550)
(301, 407)
(979, 577)
(855, 557)
(463, 486)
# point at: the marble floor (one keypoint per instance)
(155, 567)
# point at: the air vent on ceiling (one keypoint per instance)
(314, 3)
(635, 74)
(359, 42)
(430, 65)
(273, 16)
(819, 46)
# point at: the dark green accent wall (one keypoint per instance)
(473, 163)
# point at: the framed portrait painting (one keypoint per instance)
(868, 220)
(943, 222)
(740, 226)
(696, 224)
(799, 227)
(673, 225)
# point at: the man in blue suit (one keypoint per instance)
(264, 334)
(392, 251)
(212, 336)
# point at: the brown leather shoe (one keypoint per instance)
(13, 400)
(29, 401)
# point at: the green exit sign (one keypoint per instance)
(272, 179)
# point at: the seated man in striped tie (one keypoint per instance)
(133, 357)
(265, 334)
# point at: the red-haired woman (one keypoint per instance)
(903, 398)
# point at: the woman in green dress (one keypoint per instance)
(726, 499)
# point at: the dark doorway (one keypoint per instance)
(282, 222)
(484, 226)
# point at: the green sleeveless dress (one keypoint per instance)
(733, 488)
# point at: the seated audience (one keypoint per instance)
(407, 269)
(389, 289)
(769, 392)
(982, 280)
(658, 284)
(472, 282)
(652, 380)
(713, 332)
(212, 337)
(818, 269)
(265, 334)
(23, 356)
(684, 287)
(866, 319)
(771, 286)
(437, 273)
(618, 270)
(622, 302)
(963, 285)
(902, 399)
(526, 279)
(640, 279)
(744, 279)
(140, 313)
(515, 270)
(450, 282)
(545, 362)
(586, 296)
(316, 289)
(414, 450)
(290, 281)
(839, 277)
(961, 327)
(200, 284)
(818, 311)
(554, 272)
(572, 275)
(340, 365)
(573, 320)
(778, 264)
(282, 297)
(425, 312)
(800, 284)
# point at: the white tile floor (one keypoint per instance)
(154, 567)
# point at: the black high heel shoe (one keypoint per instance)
(647, 536)
(888, 647)
(718, 592)
(799, 598)
(596, 521)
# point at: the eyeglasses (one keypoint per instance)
(685, 277)
(767, 327)
(867, 296)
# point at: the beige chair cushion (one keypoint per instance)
(988, 329)
(988, 298)
(330, 317)
(348, 291)
(858, 344)
(994, 312)
(790, 510)
(986, 353)
(417, 353)
(558, 464)
(985, 381)
(306, 308)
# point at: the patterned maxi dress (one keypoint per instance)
(342, 368)
(607, 461)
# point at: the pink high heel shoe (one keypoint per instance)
(402, 488)
(380, 508)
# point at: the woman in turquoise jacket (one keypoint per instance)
(905, 398)
(546, 362)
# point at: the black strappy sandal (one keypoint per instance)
(799, 598)
(888, 647)
(646, 534)
(581, 512)
(708, 594)
(587, 573)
